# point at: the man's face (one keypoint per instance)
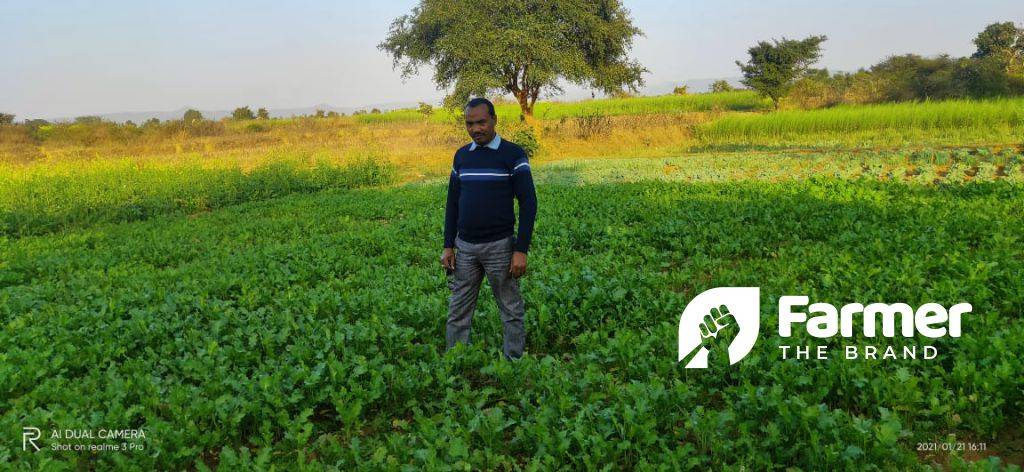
(480, 124)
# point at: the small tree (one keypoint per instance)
(721, 86)
(6, 118)
(320, 113)
(532, 45)
(332, 114)
(425, 109)
(680, 90)
(375, 111)
(192, 116)
(263, 114)
(243, 113)
(774, 66)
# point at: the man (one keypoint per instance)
(478, 228)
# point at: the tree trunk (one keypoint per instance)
(525, 106)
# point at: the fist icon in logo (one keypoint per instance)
(718, 327)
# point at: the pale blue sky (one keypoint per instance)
(67, 58)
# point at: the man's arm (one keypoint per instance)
(451, 212)
(522, 186)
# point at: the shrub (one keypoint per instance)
(526, 139)
(590, 125)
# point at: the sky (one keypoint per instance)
(73, 57)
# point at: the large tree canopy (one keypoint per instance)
(521, 47)
(1003, 42)
(774, 66)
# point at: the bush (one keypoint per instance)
(256, 127)
(590, 125)
(526, 139)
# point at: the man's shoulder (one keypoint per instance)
(459, 153)
(513, 149)
(463, 149)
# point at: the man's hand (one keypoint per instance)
(448, 258)
(518, 266)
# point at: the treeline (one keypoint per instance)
(996, 69)
(90, 130)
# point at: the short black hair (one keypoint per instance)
(482, 101)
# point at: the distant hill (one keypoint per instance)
(661, 88)
(141, 116)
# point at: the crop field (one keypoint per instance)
(303, 329)
(272, 298)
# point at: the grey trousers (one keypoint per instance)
(472, 261)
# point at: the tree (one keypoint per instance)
(774, 66)
(912, 77)
(320, 114)
(1002, 40)
(680, 90)
(721, 86)
(243, 113)
(263, 114)
(521, 47)
(88, 120)
(192, 116)
(425, 109)
(6, 118)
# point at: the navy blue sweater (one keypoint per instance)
(482, 185)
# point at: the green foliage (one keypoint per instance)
(680, 90)
(88, 120)
(1003, 41)
(119, 191)
(243, 113)
(508, 113)
(774, 66)
(526, 139)
(6, 118)
(584, 43)
(256, 127)
(720, 86)
(262, 114)
(192, 116)
(307, 331)
(425, 109)
(945, 115)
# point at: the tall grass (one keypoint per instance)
(943, 115)
(743, 100)
(43, 199)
